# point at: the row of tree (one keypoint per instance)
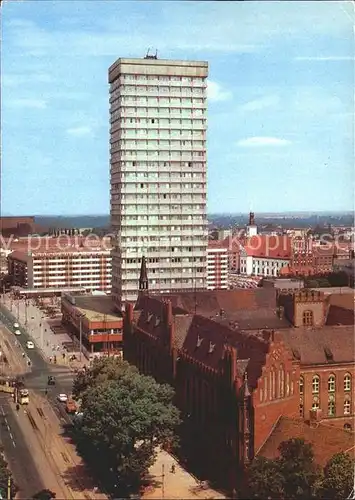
(296, 476)
(5, 475)
(126, 417)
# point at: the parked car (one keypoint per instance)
(16, 325)
(63, 398)
(17, 332)
(30, 344)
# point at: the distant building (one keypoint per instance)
(217, 266)
(264, 255)
(283, 283)
(17, 226)
(56, 264)
(94, 316)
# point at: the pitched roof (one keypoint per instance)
(211, 302)
(326, 440)
(312, 344)
(202, 338)
(268, 246)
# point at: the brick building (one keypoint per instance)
(17, 226)
(239, 361)
(217, 266)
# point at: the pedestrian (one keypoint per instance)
(50, 359)
(63, 355)
(23, 354)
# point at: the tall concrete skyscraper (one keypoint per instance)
(158, 174)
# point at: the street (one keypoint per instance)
(39, 454)
(17, 452)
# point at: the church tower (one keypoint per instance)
(252, 229)
(143, 278)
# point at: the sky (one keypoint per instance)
(280, 99)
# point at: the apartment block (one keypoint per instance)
(217, 266)
(72, 267)
(158, 174)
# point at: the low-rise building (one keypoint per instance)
(217, 266)
(264, 255)
(93, 319)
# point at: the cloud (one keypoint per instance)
(324, 58)
(215, 92)
(27, 103)
(82, 131)
(258, 142)
(259, 104)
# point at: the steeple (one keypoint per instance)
(251, 219)
(143, 278)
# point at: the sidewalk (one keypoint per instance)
(38, 326)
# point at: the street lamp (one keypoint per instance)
(81, 335)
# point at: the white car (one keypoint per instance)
(30, 344)
(63, 398)
(17, 332)
(16, 325)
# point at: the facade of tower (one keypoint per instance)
(158, 174)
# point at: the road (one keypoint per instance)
(38, 427)
(15, 445)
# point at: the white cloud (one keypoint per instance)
(259, 104)
(27, 103)
(257, 142)
(215, 92)
(324, 58)
(82, 131)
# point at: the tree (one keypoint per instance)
(102, 370)
(301, 474)
(5, 474)
(44, 495)
(126, 417)
(264, 479)
(338, 477)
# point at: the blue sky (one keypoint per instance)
(281, 102)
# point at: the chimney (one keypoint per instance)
(129, 313)
(315, 416)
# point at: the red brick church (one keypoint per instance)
(250, 368)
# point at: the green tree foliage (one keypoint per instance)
(5, 473)
(126, 417)
(264, 479)
(338, 477)
(297, 465)
(102, 370)
(44, 495)
(293, 476)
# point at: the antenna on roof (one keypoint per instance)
(148, 56)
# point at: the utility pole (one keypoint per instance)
(18, 310)
(80, 336)
(162, 482)
(25, 312)
(9, 488)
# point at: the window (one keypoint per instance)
(301, 385)
(301, 409)
(315, 384)
(347, 382)
(265, 388)
(347, 427)
(331, 408)
(347, 407)
(281, 388)
(331, 383)
(315, 405)
(308, 318)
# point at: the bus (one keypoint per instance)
(23, 397)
